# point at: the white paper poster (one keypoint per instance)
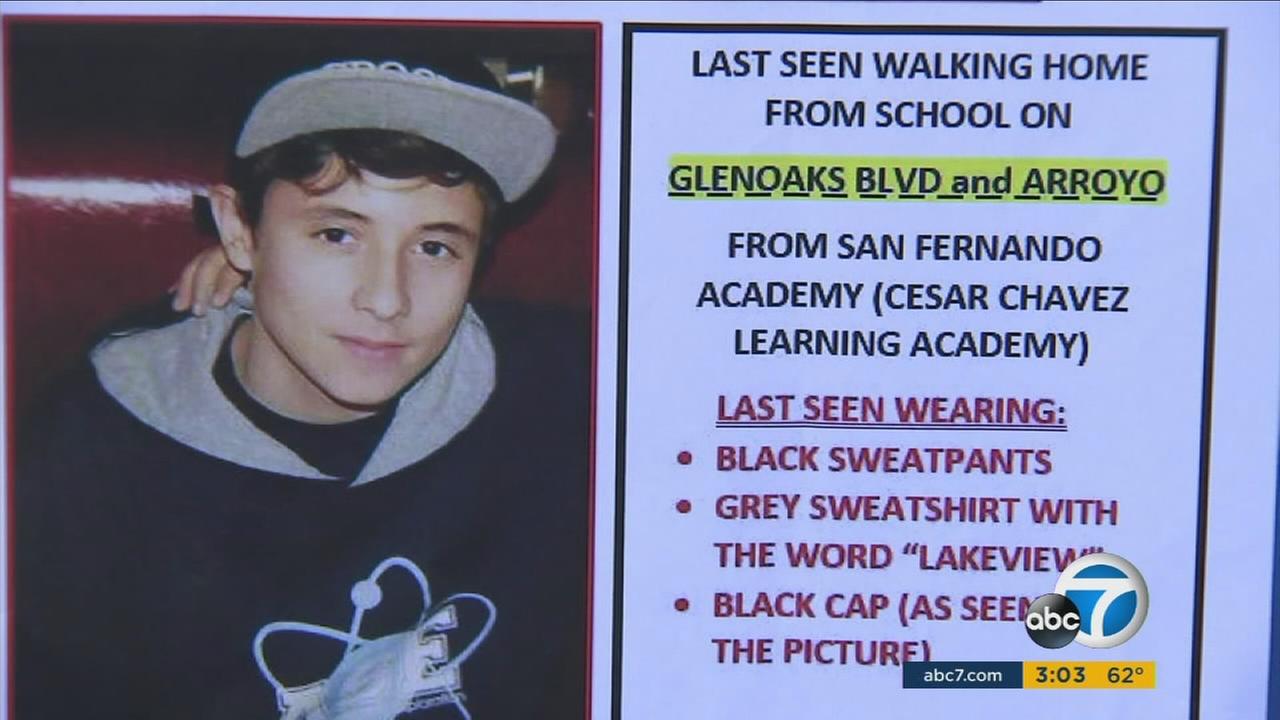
(898, 352)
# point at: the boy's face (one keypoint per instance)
(356, 291)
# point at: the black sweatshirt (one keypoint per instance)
(145, 568)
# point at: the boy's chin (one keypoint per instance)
(351, 401)
(365, 402)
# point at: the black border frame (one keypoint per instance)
(624, 215)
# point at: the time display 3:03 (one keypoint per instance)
(1089, 674)
(1060, 674)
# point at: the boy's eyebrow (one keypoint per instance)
(450, 227)
(329, 211)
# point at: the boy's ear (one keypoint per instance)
(236, 235)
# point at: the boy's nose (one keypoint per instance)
(382, 290)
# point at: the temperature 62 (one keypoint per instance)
(1123, 675)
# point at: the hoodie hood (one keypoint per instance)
(164, 377)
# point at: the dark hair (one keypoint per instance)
(305, 158)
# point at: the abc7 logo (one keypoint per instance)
(1100, 601)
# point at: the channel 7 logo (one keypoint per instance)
(1100, 601)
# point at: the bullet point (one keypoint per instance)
(685, 457)
(681, 604)
(684, 506)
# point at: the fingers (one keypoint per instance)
(208, 280)
(227, 282)
(182, 288)
(209, 265)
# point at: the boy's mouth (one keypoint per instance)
(370, 349)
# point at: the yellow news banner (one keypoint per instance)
(1024, 179)
(1089, 674)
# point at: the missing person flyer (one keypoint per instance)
(640, 360)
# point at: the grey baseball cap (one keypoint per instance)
(506, 138)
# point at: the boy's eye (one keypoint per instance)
(435, 249)
(336, 236)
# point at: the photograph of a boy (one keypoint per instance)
(353, 491)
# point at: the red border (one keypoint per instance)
(6, 23)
